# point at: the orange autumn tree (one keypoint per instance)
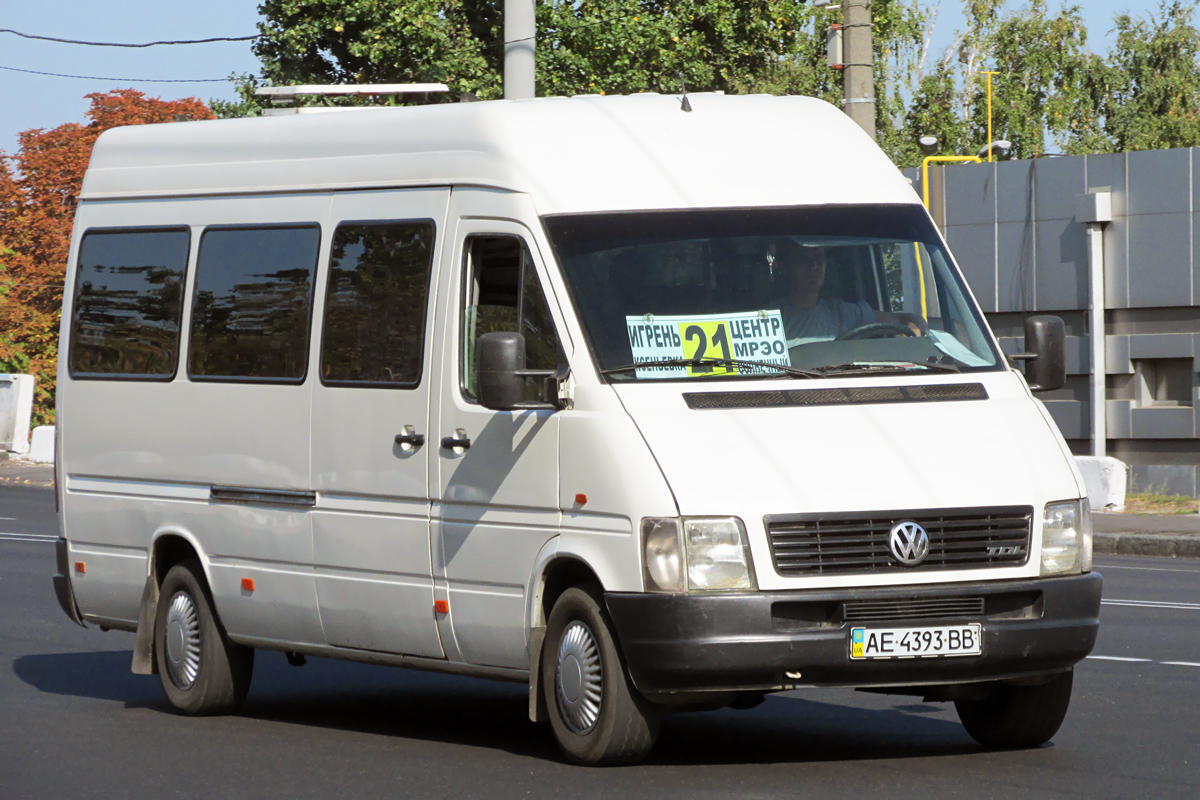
(39, 186)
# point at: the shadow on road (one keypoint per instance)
(338, 695)
(101, 675)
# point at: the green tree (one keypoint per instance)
(584, 46)
(1051, 91)
(1150, 92)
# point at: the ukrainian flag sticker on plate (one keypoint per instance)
(856, 643)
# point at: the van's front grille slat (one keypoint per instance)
(960, 538)
(931, 608)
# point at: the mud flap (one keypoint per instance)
(538, 712)
(144, 662)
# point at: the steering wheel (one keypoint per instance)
(877, 330)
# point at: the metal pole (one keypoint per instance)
(989, 146)
(520, 40)
(1096, 326)
(859, 82)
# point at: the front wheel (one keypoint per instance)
(598, 717)
(202, 671)
(1018, 716)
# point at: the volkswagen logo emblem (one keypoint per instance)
(909, 543)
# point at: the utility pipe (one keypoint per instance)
(925, 197)
(1095, 209)
(1099, 376)
(925, 162)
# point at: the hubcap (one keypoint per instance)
(183, 640)
(577, 678)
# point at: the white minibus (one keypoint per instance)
(653, 406)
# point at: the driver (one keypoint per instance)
(807, 315)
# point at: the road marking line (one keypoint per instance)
(1181, 663)
(1149, 569)
(1118, 658)
(28, 537)
(1150, 604)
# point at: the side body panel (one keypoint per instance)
(139, 456)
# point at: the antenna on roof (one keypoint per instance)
(284, 95)
(686, 105)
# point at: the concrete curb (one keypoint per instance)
(1170, 545)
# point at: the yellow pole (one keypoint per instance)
(989, 145)
(925, 196)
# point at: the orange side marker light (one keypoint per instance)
(80, 567)
(248, 584)
(441, 606)
(581, 499)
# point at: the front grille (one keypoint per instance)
(925, 608)
(959, 538)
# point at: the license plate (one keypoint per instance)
(945, 640)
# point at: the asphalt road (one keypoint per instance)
(74, 722)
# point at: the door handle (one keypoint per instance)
(410, 439)
(458, 440)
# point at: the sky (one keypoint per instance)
(42, 101)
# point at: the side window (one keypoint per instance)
(502, 293)
(128, 303)
(374, 331)
(253, 304)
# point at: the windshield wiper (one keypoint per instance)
(889, 367)
(731, 362)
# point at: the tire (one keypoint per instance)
(1018, 716)
(202, 672)
(598, 718)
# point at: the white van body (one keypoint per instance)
(320, 533)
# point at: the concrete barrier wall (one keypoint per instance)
(16, 408)
(1012, 228)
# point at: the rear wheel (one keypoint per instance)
(1018, 716)
(202, 672)
(598, 717)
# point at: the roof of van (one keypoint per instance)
(572, 154)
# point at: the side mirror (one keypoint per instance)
(501, 374)
(1045, 353)
(500, 360)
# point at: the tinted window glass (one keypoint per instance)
(503, 294)
(128, 301)
(374, 330)
(253, 303)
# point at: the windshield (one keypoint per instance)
(799, 293)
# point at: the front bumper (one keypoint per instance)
(738, 642)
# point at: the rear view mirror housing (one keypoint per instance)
(501, 373)
(1045, 353)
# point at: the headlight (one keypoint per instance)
(712, 552)
(662, 556)
(1066, 538)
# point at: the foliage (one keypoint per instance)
(1153, 85)
(38, 190)
(1158, 503)
(1144, 94)
(584, 46)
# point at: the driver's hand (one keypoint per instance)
(916, 323)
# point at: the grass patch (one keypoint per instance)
(1151, 503)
